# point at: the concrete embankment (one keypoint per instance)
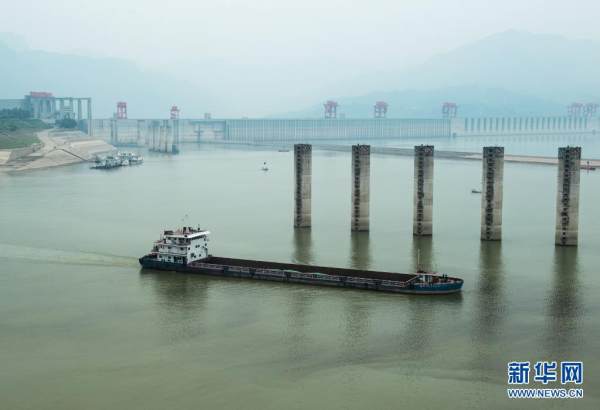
(409, 152)
(57, 148)
(476, 156)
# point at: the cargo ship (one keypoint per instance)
(186, 250)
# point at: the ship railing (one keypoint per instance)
(172, 251)
(360, 280)
(241, 269)
(207, 265)
(394, 283)
(271, 272)
(315, 276)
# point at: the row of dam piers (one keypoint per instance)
(492, 180)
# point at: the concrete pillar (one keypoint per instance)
(567, 197)
(165, 145)
(491, 193)
(89, 117)
(155, 135)
(361, 175)
(147, 132)
(116, 131)
(175, 142)
(423, 191)
(112, 131)
(139, 132)
(161, 136)
(302, 188)
(79, 108)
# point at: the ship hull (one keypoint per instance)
(307, 275)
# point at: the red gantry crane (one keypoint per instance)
(380, 109)
(174, 113)
(121, 110)
(331, 109)
(449, 109)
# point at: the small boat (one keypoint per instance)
(475, 191)
(186, 250)
(283, 150)
(264, 167)
(106, 162)
(120, 159)
(129, 158)
(588, 167)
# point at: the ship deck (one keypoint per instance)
(355, 273)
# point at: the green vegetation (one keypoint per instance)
(67, 123)
(19, 132)
(17, 113)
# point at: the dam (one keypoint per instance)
(267, 130)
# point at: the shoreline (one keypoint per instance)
(56, 148)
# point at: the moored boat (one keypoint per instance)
(106, 162)
(129, 158)
(120, 159)
(186, 250)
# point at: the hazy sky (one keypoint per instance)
(270, 43)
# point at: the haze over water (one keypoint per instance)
(79, 319)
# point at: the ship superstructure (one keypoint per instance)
(182, 246)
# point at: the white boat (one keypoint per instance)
(129, 158)
(120, 159)
(106, 162)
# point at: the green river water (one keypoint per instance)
(82, 327)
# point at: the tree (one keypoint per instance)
(68, 123)
(15, 113)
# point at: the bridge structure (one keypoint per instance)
(249, 131)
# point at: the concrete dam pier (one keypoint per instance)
(164, 136)
(492, 182)
(567, 196)
(491, 193)
(302, 180)
(423, 191)
(361, 177)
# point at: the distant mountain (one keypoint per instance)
(472, 101)
(106, 80)
(508, 73)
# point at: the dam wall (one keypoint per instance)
(266, 130)
(138, 131)
(135, 132)
(524, 125)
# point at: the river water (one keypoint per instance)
(81, 327)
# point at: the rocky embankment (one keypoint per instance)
(56, 148)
